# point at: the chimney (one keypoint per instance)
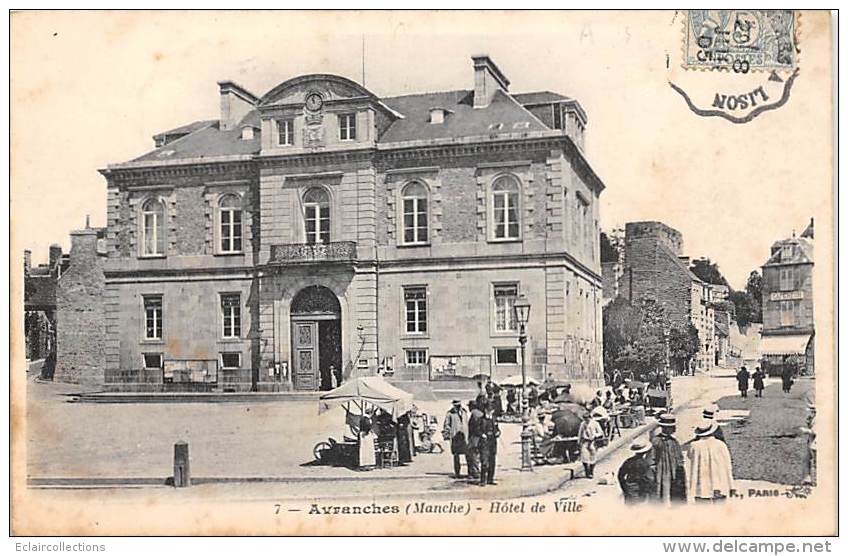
(809, 231)
(83, 248)
(236, 102)
(55, 255)
(488, 79)
(27, 261)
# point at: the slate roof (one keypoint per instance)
(540, 97)
(204, 138)
(462, 120)
(185, 129)
(208, 141)
(803, 252)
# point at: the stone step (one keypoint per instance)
(193, 397)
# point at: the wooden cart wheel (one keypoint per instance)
(319, 449)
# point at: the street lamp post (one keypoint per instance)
(522, 315)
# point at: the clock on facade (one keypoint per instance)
(314, 102)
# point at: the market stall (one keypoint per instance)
(374, 412)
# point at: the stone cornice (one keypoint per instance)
(381, 153)
(205, 167)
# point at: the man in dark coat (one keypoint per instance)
(455, 431)
(742, 380)
(489, 433)
(786, 377)
(475, 431)
(635, 476)
(669, 468)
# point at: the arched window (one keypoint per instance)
(230, 218)
(316, 207)
(153, 227)
(415, 221)
(505, 210)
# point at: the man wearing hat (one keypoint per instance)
(488, 446)
(475, 432)
(668, 463)
(742, 380)
(635, 476)
(710, 415)
(710, 467)
(588, 435)
(455, 431)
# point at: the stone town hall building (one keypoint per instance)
(321, 227)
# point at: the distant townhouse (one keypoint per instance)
(788, 317)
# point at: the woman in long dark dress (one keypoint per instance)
(403, 447)
(759, 384)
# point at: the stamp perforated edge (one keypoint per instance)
(684, 32)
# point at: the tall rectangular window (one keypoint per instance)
(153, 317)
(787, 281)
(285, 132)
(231, 315)
(505, 296)
(415, 300)
(347, 127)
(317, 224)
(153, 227)
(787, 313)
(415, 220)
(505, 210)
(231, 224)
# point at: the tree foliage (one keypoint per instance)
(638, 338)
(611, 246)
(708, 271)
(749, 302)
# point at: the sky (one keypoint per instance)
(92, 88)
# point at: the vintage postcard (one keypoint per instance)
(423, 273)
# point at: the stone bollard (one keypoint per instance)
(182, 474)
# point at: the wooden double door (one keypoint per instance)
(316, 352)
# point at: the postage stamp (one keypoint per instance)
(740, 40)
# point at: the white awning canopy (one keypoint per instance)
(784, 345)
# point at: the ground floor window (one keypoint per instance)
(231, 360)
(152, 360)
(416, 357)
(506, 356)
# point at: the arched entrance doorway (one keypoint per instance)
(316, 339)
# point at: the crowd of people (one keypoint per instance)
(663, 471)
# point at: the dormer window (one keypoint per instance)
(347, 127)
(558, 119)
(247, 133)
(438, 115)
(285, 132)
